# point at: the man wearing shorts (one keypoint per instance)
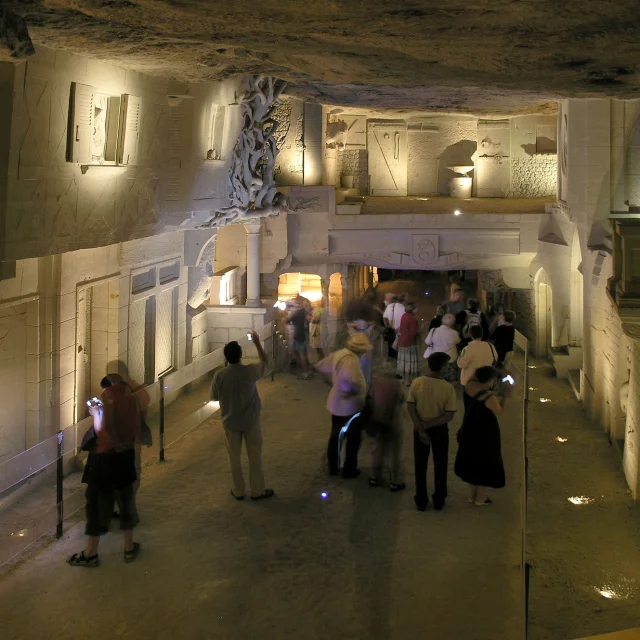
(111, 472)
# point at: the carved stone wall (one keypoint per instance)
(355, 163)
(289, 138)
(55, 206)
(534, 177)
(522, 302)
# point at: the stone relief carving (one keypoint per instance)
(425, 249)
(251, 183)
(631, 329)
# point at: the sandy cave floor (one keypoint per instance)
(363, 564)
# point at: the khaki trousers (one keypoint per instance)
(253, 443)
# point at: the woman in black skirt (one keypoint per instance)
(479, 458)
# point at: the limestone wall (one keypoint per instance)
(534, 176)
(354, 163)
(73, 317)
(56, 206)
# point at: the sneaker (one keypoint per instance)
(267, 493)
(394, 487)
(132, 554)
(80, 560)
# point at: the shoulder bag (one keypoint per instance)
(429, 342)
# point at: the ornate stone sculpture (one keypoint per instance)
(251, 182)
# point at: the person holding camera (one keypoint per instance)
(479, 458)
(110, 472)
(234, 387)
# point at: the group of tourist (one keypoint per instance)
(358, 403)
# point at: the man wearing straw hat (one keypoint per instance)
(345, 402)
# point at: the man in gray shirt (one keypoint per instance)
(234, 387)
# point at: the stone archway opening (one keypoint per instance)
(544, 314)
(308, 285)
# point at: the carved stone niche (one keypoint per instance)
(624, 285)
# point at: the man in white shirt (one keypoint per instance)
(392, 318)
(475, 355)
(235, 388)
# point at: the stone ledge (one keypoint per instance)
(236, 309)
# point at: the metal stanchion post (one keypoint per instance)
(525, 492)
(161, 438)
(274, 336)
(59, 487)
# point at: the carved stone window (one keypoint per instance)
(104, 129)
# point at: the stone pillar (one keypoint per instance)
(253, 265)
(369, 277)
(344, 280)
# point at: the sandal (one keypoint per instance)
(373, 482)
(481, 504)
(267, 493)
(132, 554)
(80, 560)
(235, 496)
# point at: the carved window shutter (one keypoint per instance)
(83, 103)
(173, 180)
(129, 138)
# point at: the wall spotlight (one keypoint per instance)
(457, 212)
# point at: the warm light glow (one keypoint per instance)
(312, 296)
(533, 388)
(559, 439)
(580, 500)
(545, 399)
(532, 366)
(618, 588)
(214, 403)
(457, 212)
(280, 304)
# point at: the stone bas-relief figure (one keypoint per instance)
(251, 182)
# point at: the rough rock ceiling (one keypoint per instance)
(471, 56)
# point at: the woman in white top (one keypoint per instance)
(445, 339)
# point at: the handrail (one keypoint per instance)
(522, 342)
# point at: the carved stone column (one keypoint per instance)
(253, 264)
(344, 280)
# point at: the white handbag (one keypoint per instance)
(429, 349)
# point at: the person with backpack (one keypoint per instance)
(382, 421)
(476, 354)
(474, 318)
